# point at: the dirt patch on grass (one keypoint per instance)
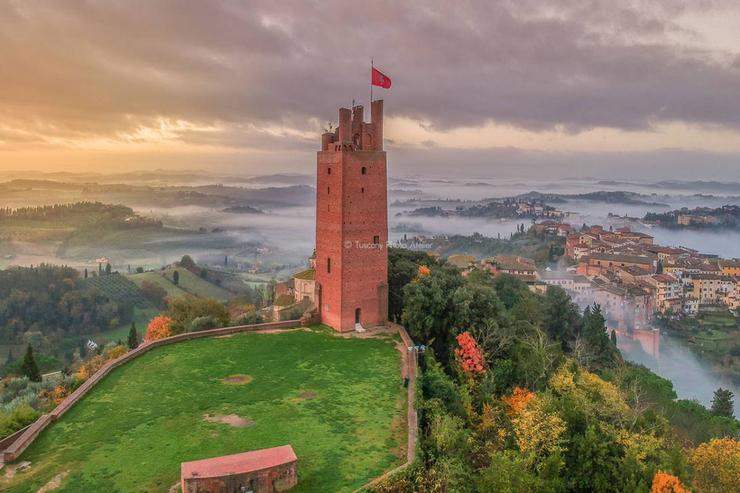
(14, 468)
(237, 380)
(54, 483)
(229, 419)
(307, 395)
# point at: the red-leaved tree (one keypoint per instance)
(469, 355)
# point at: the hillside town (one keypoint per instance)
(626, 272)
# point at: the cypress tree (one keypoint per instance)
(133, 337)
(614, 337)
(29, 367)
(176, 278)
(722, 404)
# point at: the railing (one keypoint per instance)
(11, 447)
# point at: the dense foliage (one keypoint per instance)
(526, 392)
(52, 301)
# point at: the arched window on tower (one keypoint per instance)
(328, 265)
(364, 170)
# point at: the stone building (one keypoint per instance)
(258, 471)
(351, 278)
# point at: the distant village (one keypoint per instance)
(624, 271)
(727, 216)
(508, 208)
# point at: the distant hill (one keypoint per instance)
(189, 283)
(117, 287)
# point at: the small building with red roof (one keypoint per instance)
(259, 471)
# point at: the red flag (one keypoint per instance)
(380, 79)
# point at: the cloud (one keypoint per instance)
(267, 75)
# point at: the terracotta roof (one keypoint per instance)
(255, 460)
(615, 257)
(664, 278)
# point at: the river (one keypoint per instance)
(692, 379)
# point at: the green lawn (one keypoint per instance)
(338, 401)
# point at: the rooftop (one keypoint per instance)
(622, 258)
(306, 275)
(246, 462)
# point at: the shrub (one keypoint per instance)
(17, 419)
(183, 310)
(159, 328)
(203, 323)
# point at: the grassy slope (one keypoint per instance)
(133, 430)
(142, 316)
(189, 283)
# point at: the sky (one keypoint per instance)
(630, 89)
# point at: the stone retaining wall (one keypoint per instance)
(409, 359)
(14, 445)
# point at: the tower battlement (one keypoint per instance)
(352, 222)
(353, 133)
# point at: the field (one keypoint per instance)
(119, 288)
(338, 401)
(189, 283)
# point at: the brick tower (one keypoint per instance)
(352, 222)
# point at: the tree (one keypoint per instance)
(187, 262)
(176, 278)
(133, 337)
(159, 328)
(667, 483)
(429, 312)
(614, 337)
(185, 309)
(108, 269)
(597, 340)
(716, 465)
(86, 273)
(29, 367)
(561, 316)
(722, 404)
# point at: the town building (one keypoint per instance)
(668, 292)
(520, 267)
(730, 267)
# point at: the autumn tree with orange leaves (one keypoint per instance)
(158, 328)
(667, 483)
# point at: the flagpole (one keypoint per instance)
(371, 82)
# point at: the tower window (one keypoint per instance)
(364, 170)
(362, 189)
(328, 190)
(376, 239)
(328, 265)
(328, 171)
